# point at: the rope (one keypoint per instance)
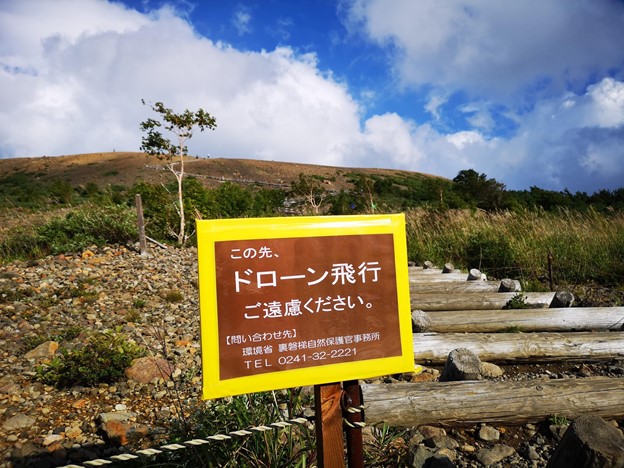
(188, 444)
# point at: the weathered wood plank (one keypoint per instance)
(329, 432)
(527, 320)
(433, 348)
(475, 300)
(472, 402)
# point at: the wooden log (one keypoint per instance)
(433, 348)
(439, 278)
(475, 301)
(524, 320)
(562, 299)
(589, 442)
(509, 285)
(483, 401)
(474, 274)
(424, 271)
(420, 321)
(452, 287)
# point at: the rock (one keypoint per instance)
(120, 416)
(122, 433)
(491, 371)
(73, 432)
(43, 351)
(52, 438)
(530, 453)
(488, 434)
(431, 431)
(148, 368)
(489, 456)
(442, 441)
(18, 421)
(426, 457)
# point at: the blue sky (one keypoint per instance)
(530, 92)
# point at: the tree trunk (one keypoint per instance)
(433, 348)
(589, 442)
(523, 320)
(475, 301)
(472, 402)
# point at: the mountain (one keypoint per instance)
(126, 168)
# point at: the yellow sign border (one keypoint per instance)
(211, 231)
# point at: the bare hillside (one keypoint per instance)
(126, 168)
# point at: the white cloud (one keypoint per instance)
(76, 86)
(242, 21)
(86, 86)
(495, 48)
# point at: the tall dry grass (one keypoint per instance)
(583, 246)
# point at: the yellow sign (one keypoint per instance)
(288, 302)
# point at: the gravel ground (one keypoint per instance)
(115, 288)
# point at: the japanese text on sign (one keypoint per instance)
(267, 293)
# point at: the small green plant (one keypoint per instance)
(134, 316)
(173, 295)
(512, 329)
(558, 420)
(387, 447)
(290, 446)
(518, 301)
(139, 303)
(103, 358)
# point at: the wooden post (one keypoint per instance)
(355, 448)
(589, 442)
(329, 439)
(141, 224)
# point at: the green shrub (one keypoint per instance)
(102, 359)
(88, 225)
